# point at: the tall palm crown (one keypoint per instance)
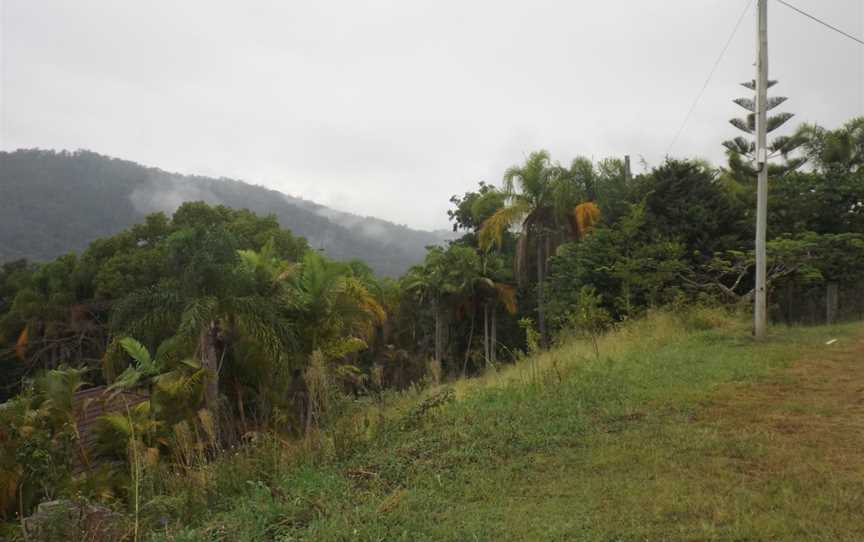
(546, 200)
(549, 202)
(332, 302)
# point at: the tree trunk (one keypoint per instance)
(210, 362)
(468, 350)
(436, 314)
(494, 342)
(241, 409)
(541, 310)
(832, 301)
(486, 353)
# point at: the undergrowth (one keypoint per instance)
(487, 458)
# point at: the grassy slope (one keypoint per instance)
(670, 435)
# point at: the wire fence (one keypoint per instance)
(818, 305)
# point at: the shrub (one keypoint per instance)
(589, 318)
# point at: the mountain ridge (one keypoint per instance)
(54, 202)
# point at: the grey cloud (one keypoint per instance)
(167, 194)
(390, 106)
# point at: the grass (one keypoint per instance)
(682, 429)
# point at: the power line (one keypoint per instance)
(820, 21)
(710, 76)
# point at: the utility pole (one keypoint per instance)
(760, 316)
(628, 174)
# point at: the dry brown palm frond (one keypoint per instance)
(584, 218)
(493, 229)
(507, 296)
(21, 344)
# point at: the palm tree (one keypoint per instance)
(428, 282)
(843, 147)
(549, 202)
(169, 370)
(333, 306)
(446, 279)
(493, 292)
(208, 321)
(211, 300)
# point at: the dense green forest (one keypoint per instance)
(52, 203)
(235, 328)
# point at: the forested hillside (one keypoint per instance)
(55, 202)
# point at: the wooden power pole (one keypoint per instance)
(760, 313)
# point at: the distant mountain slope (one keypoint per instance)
(55, 202)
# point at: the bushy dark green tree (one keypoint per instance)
(631, 266)
(686, 201)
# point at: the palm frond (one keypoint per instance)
(21, 343)
(342, 347)
(57, 390)
(128, 379)
(117, 423)
(507, 296)
(250, 259)
(137, 351)
(182, 381)
(585, 217)
(197, 314)
(145, 312)
(492, 230)
(258, 319)
(530, 176)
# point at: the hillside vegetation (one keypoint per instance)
(681, 429)
(280, 394)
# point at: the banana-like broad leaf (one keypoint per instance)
(136, 350)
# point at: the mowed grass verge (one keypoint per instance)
(682, 429)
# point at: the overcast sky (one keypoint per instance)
(387, 108)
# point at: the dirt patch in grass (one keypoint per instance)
(776, 459)
(810, 418)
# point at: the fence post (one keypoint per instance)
(832, 299)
